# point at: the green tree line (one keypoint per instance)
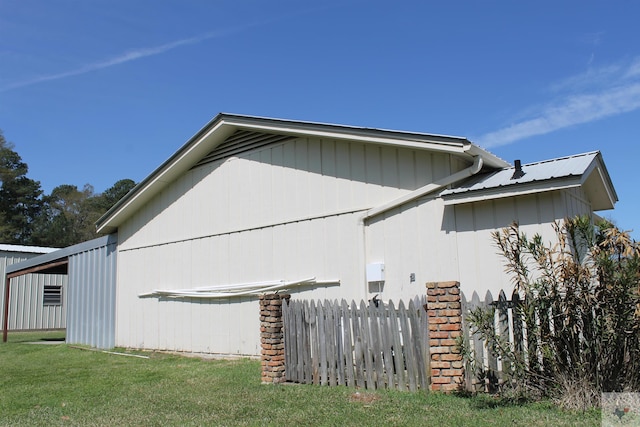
(62, 218)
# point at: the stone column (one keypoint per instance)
(445, 325)
(272, 338)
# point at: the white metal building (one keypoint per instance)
(248, 203)
(39, 300)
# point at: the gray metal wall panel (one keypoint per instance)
(91, 297)
(26, 309)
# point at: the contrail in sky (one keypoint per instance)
(121, 59)
(152, 51)
(601, 93)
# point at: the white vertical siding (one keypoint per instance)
(294, 180)
(481, 266)
(288, 211)
(412, 239)
(325, 247)
(294, 210)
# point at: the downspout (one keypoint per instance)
(429, 188)
(422, 191)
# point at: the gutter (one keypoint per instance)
(478, 162)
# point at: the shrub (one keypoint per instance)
(580, 307)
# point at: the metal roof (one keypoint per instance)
(62, 253)
(540, 171)
(563, 172)
(26, 249)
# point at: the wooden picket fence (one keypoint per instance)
(372, 345)
(488, 372)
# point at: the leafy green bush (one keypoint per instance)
(580, 308)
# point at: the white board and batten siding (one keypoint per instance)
(432, 242)
(287, 211)
(27, 310)
(481, 267)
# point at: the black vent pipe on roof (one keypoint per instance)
(518, 173)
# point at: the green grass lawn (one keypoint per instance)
(61, 385)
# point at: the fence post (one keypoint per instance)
(445, 326)
(272, 338)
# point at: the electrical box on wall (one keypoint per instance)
(375, 272)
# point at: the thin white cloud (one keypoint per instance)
(633, 71)
(596, 94)
(120, 59)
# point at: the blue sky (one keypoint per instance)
(93, 91)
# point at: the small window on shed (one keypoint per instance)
(52, 295)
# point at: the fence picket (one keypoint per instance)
(331, 344)
(478, 345)
(315, 348)
(518, 339)
(415, 309)
(424, 336)
(300, 320)
(503, 330)
(358, 345)
(348, 344)
(492, 361)
(387, 344)
(288, 351)
(375, 345)
(307, 369)
(469, 376)
(324, 374)
(398, 360)
(368, 356)
(338, 316)
(407, 347)
(295, 316)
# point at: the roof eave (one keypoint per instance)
(62, 253)
(598, 185)
(511, 191)
(432, 142)
(224, 124)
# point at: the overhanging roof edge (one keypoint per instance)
(456, 145)
(60, 254)
(510, 191)
(607, 177)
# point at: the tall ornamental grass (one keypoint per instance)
(580, 309)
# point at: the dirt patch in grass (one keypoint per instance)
(366, 399)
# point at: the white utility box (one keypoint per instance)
(375, 272)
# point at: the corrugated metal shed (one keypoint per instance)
(26, 305)
(92, 294)
(91, 269)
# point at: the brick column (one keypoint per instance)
(272, 338)
(445, 325)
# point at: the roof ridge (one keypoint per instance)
(345, 126)
(573, 156)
